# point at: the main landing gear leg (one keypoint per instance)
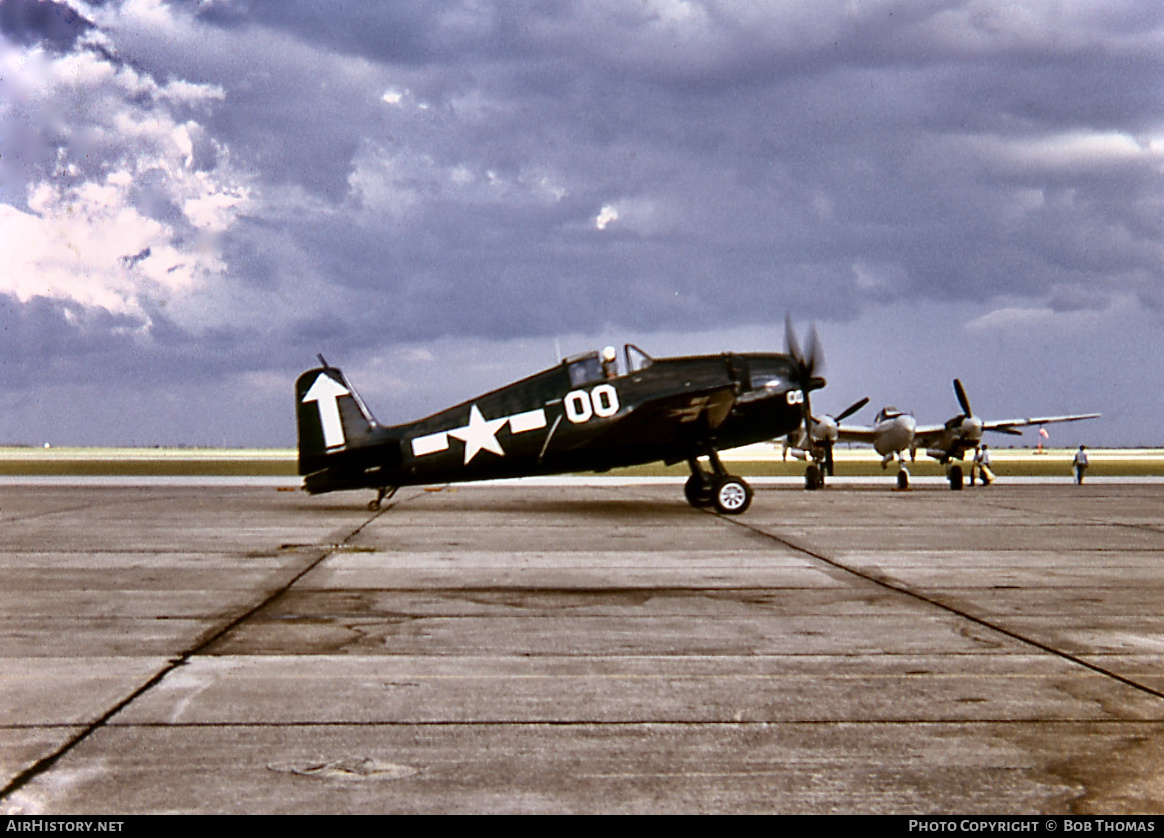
(902, 472)
(728, 494)
(381, 493)
(698, 486)
(814, 476)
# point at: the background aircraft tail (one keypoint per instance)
(332, 418)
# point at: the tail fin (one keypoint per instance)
(332, 417)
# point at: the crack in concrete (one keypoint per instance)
(900, 587)
(310, 562)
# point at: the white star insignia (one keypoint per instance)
(479, 433)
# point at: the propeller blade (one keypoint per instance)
(960, 392)
(791, 345)
(806, 367)
(851, 409)
(815, 358)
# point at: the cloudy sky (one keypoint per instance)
(196, 198)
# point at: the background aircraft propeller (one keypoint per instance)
(960, 392)
(975, 425)
(826, 431)
(851, 409)
(968, 425)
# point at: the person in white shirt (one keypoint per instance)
(1080, 463)
(981, 466)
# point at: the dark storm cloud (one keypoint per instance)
(394, 32)
(42, 22)
(45, 341)
(808, 152)
(376, 174)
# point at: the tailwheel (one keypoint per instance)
(731, 495)
(381, 493)
(698, 491)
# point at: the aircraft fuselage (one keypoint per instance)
(573, 417)
(893, 433)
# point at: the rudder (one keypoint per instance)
(331, 417)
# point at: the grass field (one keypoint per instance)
(148, 462)
(753, 461)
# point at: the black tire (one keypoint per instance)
(955, 478)
(731, 496)
(813, 479)
(903, 479)
(697, 490)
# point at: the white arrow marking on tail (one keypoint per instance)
(325, 392)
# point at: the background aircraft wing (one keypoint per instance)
(928, 436)
(856, 433)
(1007, 425)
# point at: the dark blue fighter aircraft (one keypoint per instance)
(585, 414)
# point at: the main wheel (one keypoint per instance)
(697, 490)
(955, 477)
(903, 479)
(813, 477)
(731, 495)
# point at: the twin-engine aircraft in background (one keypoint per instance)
(585, 414)
(894, 431)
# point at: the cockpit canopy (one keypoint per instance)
(890, 412)
(771, 373)
(597, 366)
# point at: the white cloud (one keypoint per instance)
(213, 208)
(190, 93)
(681, 17)
(100, 228)
(1071, 150)
(402, 183)
(1031, 317)
(647, 216)
(607, 215)
(77, 243)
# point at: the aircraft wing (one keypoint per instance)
(1007, 425)
(928, 436)
(856, 433)
(673, 415)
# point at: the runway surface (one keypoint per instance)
(581, 647)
